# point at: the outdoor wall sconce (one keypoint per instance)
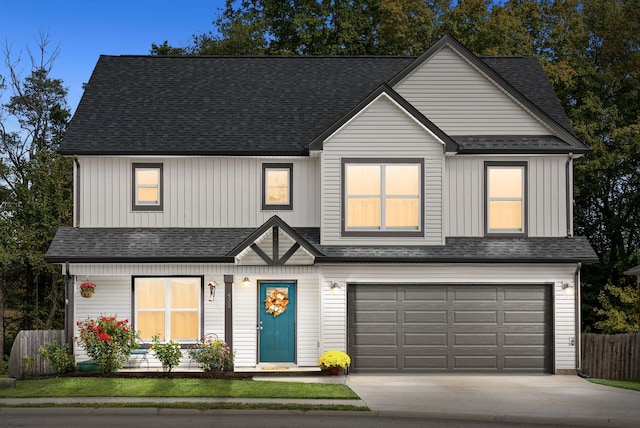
(568, 289)
(212, 290)
(246, 283)
(335, 288)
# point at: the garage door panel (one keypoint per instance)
(524, 317)
(475, 317)
(474, 294)
(425, 339)
(476, 339)
(425, 317)
(476, 362)
(450, 327)
(422, 295)
(524, 339)
(421, 363)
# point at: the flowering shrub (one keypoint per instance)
(212, 354)
(108, 342)
(168, 353)
(334, 358)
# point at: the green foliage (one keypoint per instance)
(168, 353)
(58, 357)
(617, 310)
(212, 354)
(108, 342)
(35, 192)
(4, 367)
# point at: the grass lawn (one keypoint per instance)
(114, 387)
(626, 384)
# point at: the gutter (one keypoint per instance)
(578, 318)
(569, 195)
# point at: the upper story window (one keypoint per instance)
(506, 185)
(168, 307)
(277, 186)
(382, 197)
(147, 187)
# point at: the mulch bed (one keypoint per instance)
(154, 375)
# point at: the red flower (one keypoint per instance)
(105, 337)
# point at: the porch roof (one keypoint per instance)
(216, 245)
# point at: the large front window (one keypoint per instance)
(506, 189)
(382, 196)
(168, 307)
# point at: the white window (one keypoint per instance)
(506, 189)
(382, 197)
(277, 182)
(147, 187)
(168, 307)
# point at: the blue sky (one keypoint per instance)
(86, 29)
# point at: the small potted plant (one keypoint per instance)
(335, 361)
(87, 289)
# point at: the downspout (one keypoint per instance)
(578, 319)
(68, 307)
(76, 185)
(569, 190)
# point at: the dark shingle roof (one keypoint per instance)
(243, 105)
(506, 144)
(131, 245)
(219, 105)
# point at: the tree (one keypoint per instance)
(35, 184)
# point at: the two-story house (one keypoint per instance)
(414, 212)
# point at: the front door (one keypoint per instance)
(276, 318)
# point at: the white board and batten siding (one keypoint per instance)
(464, 195)
(382, 130)
(461, 100)
(198, 192)
(334, 331)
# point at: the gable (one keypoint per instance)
(274, 247)
(384, 122)
(461, 100)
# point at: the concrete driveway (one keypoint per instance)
(551, 399)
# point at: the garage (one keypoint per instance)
(450, 328)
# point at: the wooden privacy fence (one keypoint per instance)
(25, 359)
(611, 356)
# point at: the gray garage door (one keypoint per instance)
(463, 327)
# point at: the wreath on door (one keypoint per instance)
(276, 301)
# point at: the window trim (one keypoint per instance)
(135, 206)
(183, 344)
(381, 233)
(525, 198)
(276, 207)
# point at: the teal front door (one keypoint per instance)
(277, 322)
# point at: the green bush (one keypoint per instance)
(212, 354)
(168, 353)
(108, 342)
(58, 357)
(4, 366)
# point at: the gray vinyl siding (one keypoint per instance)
(460, 100)
(464, 199)
(383, 130)
(198, 192)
